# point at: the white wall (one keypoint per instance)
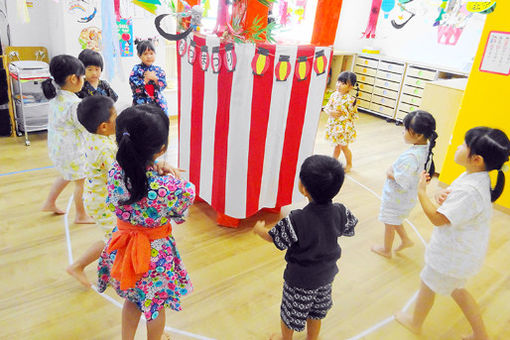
(417, 41)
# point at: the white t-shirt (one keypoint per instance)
(458, 249)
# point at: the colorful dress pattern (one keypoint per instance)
(167, 279)
(140, 95)
(100, 155)
(66, 136)
(103, 89)
(340, 130)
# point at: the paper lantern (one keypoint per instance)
(191, 52)
(320, 62)
(302, 68)
(230, 57)
(181, 46)
(204, 58)
(282, 69)
(215, 59)
(260, 61)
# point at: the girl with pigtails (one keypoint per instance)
(401, 187)
(342, 111)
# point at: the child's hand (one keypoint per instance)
(163, 168)
(389, 173)
(424, 179)
(151, 75)
(441, 195)
(259, 227)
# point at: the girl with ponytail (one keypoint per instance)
(460, 237)
(342, 111)
(401, 187)
(141, 261)
(65, 133)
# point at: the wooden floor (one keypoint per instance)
(237, 277)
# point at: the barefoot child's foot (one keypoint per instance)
(404, 245)
(379, 250)
(276, 336)
(84, 220)
(474, 337)
(52, 208)
(77, 272)
(348, 168)
(407, 321)
(165, 336)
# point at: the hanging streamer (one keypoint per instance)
(260, 62)
(230, 57)
(282, 69)
(302, 68)
(204, 58)
(215, 59)
(372, 19)
(320, 62)
(111, 52)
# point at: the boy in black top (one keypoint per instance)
(93, 85)
(310, 236)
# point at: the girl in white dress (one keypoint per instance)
(65, 133)
(401, 186)
(460, 237)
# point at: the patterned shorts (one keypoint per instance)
(300, 304)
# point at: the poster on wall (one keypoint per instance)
(496, 57)
(125, 28)
(90, 37)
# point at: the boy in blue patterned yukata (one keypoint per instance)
(148, 81)
(310, 236)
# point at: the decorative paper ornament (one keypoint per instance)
(204, 58)
(320, 62)
(282, 69)
(484, 7)
(182, 46)
(230, 57)
(215, 59)
(192, 52)
(302, 68)
(82, 10)
(260, 62)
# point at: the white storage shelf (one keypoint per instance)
(391, 88)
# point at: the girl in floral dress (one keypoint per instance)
(141, 261)
(66, 136)
(342, 112)
(147, 80)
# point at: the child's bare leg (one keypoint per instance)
(422, 308)
(51, 201)
(81, 214)
(336, 151)
(406, 241)
(286, 333)
(348, 157)
(156, 327)
(389, 236)
(76, 269)
(313, 328)
(472, 313)
(130, 319)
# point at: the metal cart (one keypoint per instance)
(30, 105)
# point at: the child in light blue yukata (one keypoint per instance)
(401, 187)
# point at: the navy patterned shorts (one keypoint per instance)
(300, 304)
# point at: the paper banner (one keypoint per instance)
(125, 27)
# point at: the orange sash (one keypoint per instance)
(133, 251)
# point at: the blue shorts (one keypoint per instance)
(300, 304)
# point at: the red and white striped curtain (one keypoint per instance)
(242, 136)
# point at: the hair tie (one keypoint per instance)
(126, 134)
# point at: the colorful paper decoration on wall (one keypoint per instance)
(90, 37)
(230, 57)
(260, 62)
(196, 17)
(483, 7)
(215, 59)
(320, 62)
(442, 11)
(192, 53)
(82, 10)
(182, 46)
(125, 27)
(387, 6)
(372, 19)
(282, 68)
(302, 68)
(204, 58)
(403, 17)
(454, 20)
(148, 5)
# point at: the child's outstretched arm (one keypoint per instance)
(429, 208)
(260, 229)
(164, 168)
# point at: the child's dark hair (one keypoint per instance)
(350, 78)
(144, 45)
(423, 123)
(322, 176)
(141, 132)
(494, 147)
(91, 58)
(61, 67)
(94, 110)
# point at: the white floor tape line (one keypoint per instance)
(107, 297)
